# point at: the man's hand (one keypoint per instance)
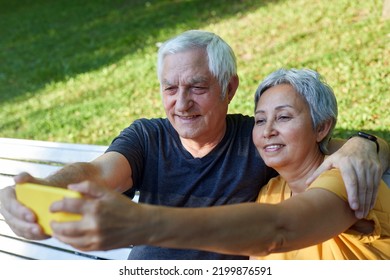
(109, 219)
(361, 171)
(21, 219)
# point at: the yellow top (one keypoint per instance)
(350, 245)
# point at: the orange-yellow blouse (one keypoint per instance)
(349, 245)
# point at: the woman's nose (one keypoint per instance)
(269, 129)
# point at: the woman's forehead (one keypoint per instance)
(280, 96)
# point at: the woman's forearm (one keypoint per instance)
(234, 229)
(251, 229)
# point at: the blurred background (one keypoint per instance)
(81, 71)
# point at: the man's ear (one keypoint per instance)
(323, 130)
(232, 87)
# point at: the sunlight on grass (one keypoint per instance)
(76, 76)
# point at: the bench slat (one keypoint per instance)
(49, 248)
(8, 256)
(48, 151)
(13, 167)
(6, 181)
(29, 250)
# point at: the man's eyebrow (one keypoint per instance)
(166, 82)
(197, 80)
(277, 108)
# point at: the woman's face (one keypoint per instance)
(283, 132)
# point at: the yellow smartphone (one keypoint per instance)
(39, 198)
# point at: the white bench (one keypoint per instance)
(41, 158)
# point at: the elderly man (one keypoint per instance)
(196, 157)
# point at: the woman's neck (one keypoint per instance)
(296, 176)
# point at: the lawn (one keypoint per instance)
(81, 71)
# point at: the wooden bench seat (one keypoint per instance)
(40, 159)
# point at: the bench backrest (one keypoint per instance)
(40, 159)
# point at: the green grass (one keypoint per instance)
(80, 71)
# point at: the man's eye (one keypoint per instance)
(198, 90)
(170, 90)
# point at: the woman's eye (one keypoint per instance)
(284, 118)
(260, 121)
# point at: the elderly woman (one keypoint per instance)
(294, 118)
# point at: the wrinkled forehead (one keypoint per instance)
(189, 67)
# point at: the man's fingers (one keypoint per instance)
(368, 192)
(78, 234)
(24, 177)
(351, 185)
(369, 179)
(88, 189)
(376, 182)
(23, 223)
(28, 230)
(83, 242)
(68, 205)
(11, 205)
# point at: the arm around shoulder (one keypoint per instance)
(384, 154)
(360, 145)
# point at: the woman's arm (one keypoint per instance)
(253, 229)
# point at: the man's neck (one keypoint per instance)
(199, 149)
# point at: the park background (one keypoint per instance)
(81, 71)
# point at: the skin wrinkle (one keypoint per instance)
(189, 90)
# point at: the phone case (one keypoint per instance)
(39, 198)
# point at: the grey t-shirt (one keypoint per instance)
(167, 174)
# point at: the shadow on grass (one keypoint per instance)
(44, 41)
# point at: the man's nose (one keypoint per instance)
(184, 100)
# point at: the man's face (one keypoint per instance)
(192, 97)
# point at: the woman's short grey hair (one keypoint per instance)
(313, 88)
(221, 58)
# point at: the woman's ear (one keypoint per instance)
(323, 130)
